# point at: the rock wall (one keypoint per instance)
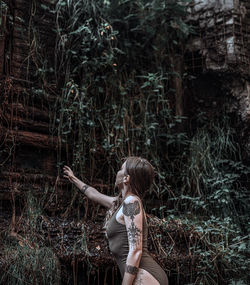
(28, 148)
(220, 46)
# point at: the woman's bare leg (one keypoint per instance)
(143, 277)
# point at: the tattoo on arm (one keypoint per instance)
(131, 210)
(84, 188)
(131, 269)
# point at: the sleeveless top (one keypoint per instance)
(118, 244)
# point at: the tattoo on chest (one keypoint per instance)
(131, 210)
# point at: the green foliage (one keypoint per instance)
(115, 61)
(215, 199)
(28, 260)
(30, 264)
(112, 99)
(115, 69)
(221, 248)
(212, 173)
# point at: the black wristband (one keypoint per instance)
(131, 269)
(84, 188)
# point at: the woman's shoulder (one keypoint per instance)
(132, 198)
(133, 204)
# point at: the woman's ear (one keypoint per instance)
(126, 179)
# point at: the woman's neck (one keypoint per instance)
(126, 192)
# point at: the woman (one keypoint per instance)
(126, 224)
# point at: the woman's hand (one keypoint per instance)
(68, 173)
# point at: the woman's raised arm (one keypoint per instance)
(87, 190)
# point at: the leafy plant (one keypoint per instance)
(117, 69)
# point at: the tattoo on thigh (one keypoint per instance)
(131, 269)
(131, 210)
(138, 280)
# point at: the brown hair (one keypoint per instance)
(141, 174)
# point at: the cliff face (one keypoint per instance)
(220, 48)
(28, 148)
(217, 61)
(222, 35)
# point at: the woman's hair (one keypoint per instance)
(141, 174)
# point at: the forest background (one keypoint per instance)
(115, 80)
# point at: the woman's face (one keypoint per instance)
(120, 175)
